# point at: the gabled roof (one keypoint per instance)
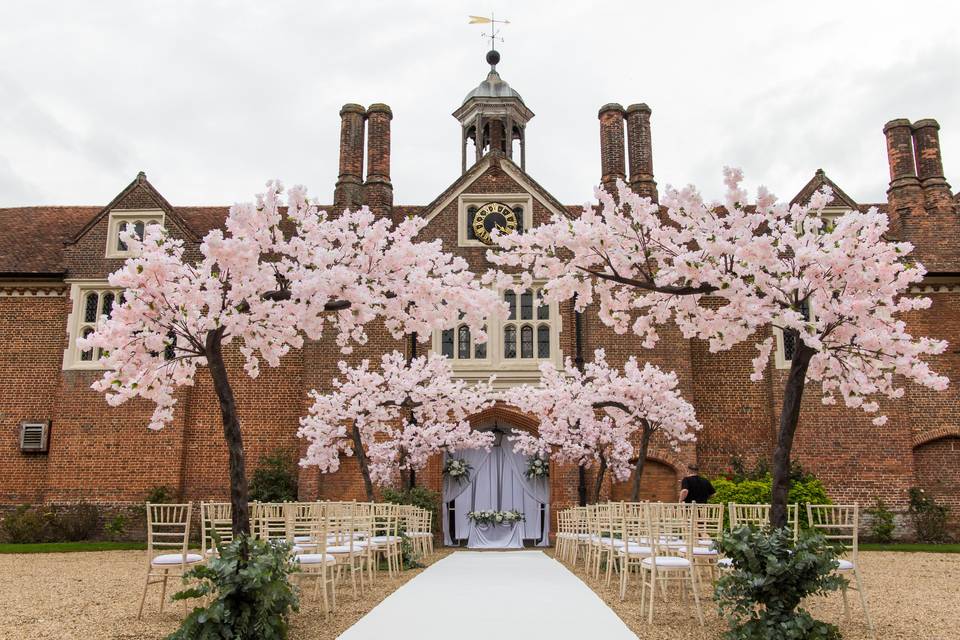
(140, 182)
(498, 159)
(32, 238)
(818, 181)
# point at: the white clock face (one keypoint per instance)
(493, 215)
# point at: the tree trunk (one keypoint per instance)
(362, 459)
(581, 486)
(239, 498)
(641, 461)
(598, 485)
(789, 416)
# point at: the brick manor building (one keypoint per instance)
(60, 442)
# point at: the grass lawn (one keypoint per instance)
(70, 547)
(913, 546)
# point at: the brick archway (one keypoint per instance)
(507, 414)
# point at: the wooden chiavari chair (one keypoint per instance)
(317, 564)
(168, 534)
(215, 521)
(671, 532)
(636, 534)
(840, 524)
(758, 515)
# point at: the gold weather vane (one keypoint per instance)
(494, 34)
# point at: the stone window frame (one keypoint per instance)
(77, 323)
(509, 371)
(119, 217)
(466, 200)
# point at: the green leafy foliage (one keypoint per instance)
(755, 487)
(62, 523)
(760, 597)
(417, 496)
(116, 527)
(250, 599)
(881, 523)
(929, 518)
(161, 495)
(275, 480)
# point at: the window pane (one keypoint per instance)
(510, 341)
(789, 344)
(464, 343)
(526, 305)
(471, 214)
(543, 341)
(170, 352)
(88, 354)
(543, 309)
(121, 245)
(90, 308)
(446, 343)
(518, 212)
(526, 341)
(511, 299)
(107, 307)
(480, 350)
(138, 229)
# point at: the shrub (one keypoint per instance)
(26, 524)
(417, 496)
(803, 490)
(116, 527)
(275, 480)
(929, 518)
(761, 595)
(251, 600)
(881, 523)
(75, 522)
(161, 494)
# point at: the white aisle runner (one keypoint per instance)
(492, 595)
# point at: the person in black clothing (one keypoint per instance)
(693, 488)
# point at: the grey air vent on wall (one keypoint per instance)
(34, 436)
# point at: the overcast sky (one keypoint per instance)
(213, 98)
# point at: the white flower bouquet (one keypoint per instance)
(458, 469)
(496, 517)
(538, 468)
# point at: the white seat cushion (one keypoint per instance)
(314, 558)
(704, 551)
(344, 548)
(705, 542)
(725, 563)
(176, 558)
(637, 550)
(669, 562)
(301, 538)
(382, 539)
(844, 565)
(419, 534)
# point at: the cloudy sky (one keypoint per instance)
(212, 98)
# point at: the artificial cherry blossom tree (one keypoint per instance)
(596, 415)
(393, 418)
(274, 277)
(728, 273)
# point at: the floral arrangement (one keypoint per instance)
(496, 517)
(458, 469)
(538, 468)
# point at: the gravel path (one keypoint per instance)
(95, 595)
(910, 595)
(89, 596)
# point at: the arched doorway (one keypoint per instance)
(936, 469)
(497, 482)
(658, 484)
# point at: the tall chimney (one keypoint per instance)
(640, 150)
(926, 145)
(348, 193)
(904, 195)
(612, 166)
(378, 190)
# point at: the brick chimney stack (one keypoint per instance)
(348, 193)
(904, 195)
(926, 146)
(640, 149)
(377, 189)
(612, 165)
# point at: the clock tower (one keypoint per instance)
(494, 118)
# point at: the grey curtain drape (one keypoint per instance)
(498, 483)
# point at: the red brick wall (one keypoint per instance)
(937, 472)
